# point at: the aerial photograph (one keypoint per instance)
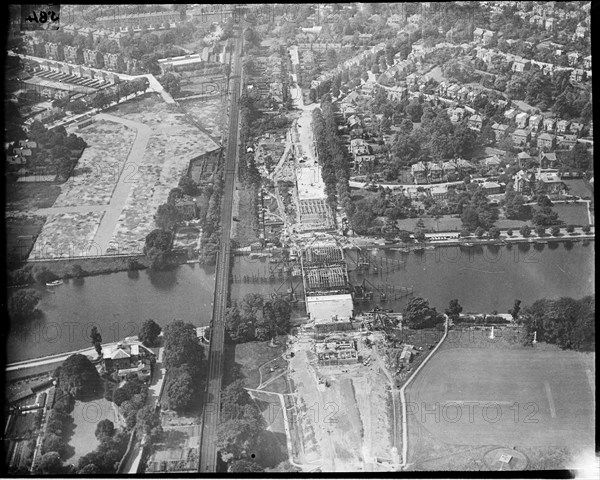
(299, 238)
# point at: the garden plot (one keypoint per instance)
(174, 142)
(99, 166)
(67, 234)
(209, 113)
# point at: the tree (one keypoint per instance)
(172, 83)
(479, 232)
(167, 216)
(525, 230)
(243, 466)
(540, 231)
(22, 304)
(189, 186)
(77, 271)
(148, 421)
(586, 229)
(180, 391)
(158, 239)
(96, 340)
(509, 232)
(50, 464)
(78, 376)
(555, 230)
(43, 275)
(54, 443)
(570, 228)
(494, 232)
(181, 345)
(90, 469)
(149, 333)
(516, 309)
(454, 309)
(418, 313)
(104, 429)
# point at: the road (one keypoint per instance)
(212, 404)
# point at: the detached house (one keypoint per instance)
(563, 126)
(520, 137)
(523, 159)
(499, 130)
(435, 172)
(475, 122)
(123, 359)
(419, 173)
(549, 124)
(546, 140)
(521, 120)
(548, 160)
(536, 122)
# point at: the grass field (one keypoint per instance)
(86, 416)
(572, 213)
(31, 195)
(472, 395)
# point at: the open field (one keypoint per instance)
(67, 234)
(173, 143)
(251, 356)
(578, 187)
(478, 393)
(572, 213)
(31, 195)
(209, 113)
(25, 228)
(86, 416)
(99, 167)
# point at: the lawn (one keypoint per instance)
(31, 195)
(251, 355)
(478, 392)
(572, 213)
(443, 224)
(26, 228)
(578, 187)
(86, 416)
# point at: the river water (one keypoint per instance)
(117, 304)
(482, 279)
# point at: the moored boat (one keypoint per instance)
(54, 283)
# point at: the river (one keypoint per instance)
(117, 304)
(482, 279)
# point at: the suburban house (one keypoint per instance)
(576, 127)
(549, 124)
(124, 358)
(551, 181)
(449, 168)
(563, 126)
(548, 160)
(187, 208)
(475, 122)
(524, 181)
(499, 130)
(523, 159)
(535, 122)
(439, 192)
(521, 65)
(435, 172)
(587, 61)
(510, 115)
(520, 137)
(419, 173)
(464, 166)
(521, 120)
(567, 141)
(546, 140)
(491, 188)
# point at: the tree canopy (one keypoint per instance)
(78, 376)
(149, 333)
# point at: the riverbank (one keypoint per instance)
(433, 241)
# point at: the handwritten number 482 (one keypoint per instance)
(43, 18)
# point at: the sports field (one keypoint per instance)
(469, 398)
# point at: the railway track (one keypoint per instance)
(212, 403)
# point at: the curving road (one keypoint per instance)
(212, 403)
